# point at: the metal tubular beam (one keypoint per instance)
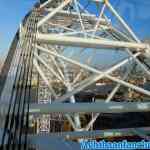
(72, 98)
(50, 15)
(46, 3)
(99, 20)
(48, 67)
(80, 18)
(57, 66)
(122, 22)
(139, 63)
(108, 133)
(101, 107)
(95, 107)
(87, 42)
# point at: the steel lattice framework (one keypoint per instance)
(62, 50)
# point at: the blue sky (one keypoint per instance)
(11, 14)
(136, 12)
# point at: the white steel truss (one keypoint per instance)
(74, 39)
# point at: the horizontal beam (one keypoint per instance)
(107, 133)
(44, 141)
(97, 107)
(101, 107)
(87, 42)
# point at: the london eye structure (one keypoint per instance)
(67, 70)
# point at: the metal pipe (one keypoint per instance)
(46, 3)
(88, 42)
(96, 107)
(122, 22)
(94, 134)
(111, 107)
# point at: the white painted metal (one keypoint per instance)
(102, 74)
(50, 15)
(46, 3)
(87, 42)
(71, 38)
